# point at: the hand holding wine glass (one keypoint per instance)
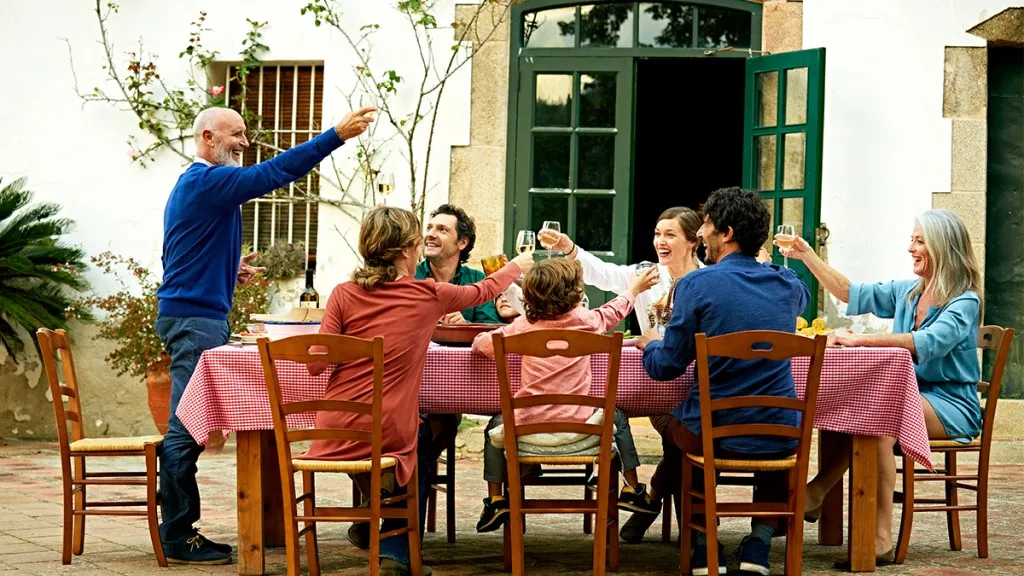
(792, 247)
(553, 240)
(524, 261)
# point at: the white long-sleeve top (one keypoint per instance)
(616, 279)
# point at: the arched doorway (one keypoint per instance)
(618, 110)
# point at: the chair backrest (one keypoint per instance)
(327, 349)
(51, 345)
(759, 345)
(998, 339)
(545, 344)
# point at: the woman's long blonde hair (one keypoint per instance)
(954, 266)
(384, 233)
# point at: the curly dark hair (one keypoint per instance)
(552, 288)
(465, 227)
(743, 211)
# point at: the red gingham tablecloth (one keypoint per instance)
(864, 391)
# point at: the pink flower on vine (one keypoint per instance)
(216, 90)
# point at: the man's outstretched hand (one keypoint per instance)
(247, 272)
(355, 123)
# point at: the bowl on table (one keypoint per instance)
(460, 334)
(278, 330)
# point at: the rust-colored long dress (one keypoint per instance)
(405, 312)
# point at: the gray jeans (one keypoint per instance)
(494, 458)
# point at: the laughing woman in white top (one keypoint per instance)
(675, 240)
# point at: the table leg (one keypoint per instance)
(830, 526)
(273, 497)
(863, 503)
(250, 502)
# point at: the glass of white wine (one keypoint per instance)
(549, 226)
(785, 237)
(385, 184)
(526, 240)
(366, 99)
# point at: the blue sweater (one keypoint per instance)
(203, 226)
(734, 295)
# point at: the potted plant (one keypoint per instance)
(130, 323)
(38, 274)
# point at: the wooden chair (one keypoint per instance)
(444, 483)
(989, 338)
(545, 344)
(76, 448)
(334, 349)
(747, 346)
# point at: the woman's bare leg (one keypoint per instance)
(831, 468)
(886, 484)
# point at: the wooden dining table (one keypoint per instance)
(865, 393)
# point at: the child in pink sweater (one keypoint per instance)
(552, 292)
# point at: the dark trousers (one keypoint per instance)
(185, 339)
(667, 479)
(397, 547)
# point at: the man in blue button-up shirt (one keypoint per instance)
(736, 294)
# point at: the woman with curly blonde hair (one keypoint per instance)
(384, 299)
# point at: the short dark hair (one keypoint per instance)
(552, 288)
(745, 212)
(465, 227)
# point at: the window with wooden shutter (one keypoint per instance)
(288, 98)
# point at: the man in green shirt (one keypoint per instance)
(450, 237)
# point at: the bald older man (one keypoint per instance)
(202, 260)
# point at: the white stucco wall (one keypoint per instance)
(887, 147)
(79, 156)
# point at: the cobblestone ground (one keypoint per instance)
(30, 527)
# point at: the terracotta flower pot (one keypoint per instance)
(158, 390)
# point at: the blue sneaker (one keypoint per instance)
(754, 556)
(699, 560)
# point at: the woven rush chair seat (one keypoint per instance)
(748, 465)
(954, 444)
(559, 460)
(341, 466)
(123, 444)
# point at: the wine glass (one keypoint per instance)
(526, 240)
(385, 184)
(550, 226)
(785, 237)
(367, 99)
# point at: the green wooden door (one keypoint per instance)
(573, 152)
(782, 145)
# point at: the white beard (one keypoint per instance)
(224, 157)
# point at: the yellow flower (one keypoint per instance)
(818, 324)
(801, 323)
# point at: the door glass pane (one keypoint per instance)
(548, 207)
(764, 177)
(597, 160)
(793, 214)
(609, 25)
(666, 25)
(767, 98)
(721, 27)
(793, 164)
(770, 205)
(597, 99)
(796, 96)
(551, 160)
(553, 100)
(594, 222)
(555, 28)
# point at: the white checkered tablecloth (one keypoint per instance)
(864, 391)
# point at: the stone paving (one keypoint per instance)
(30, 528)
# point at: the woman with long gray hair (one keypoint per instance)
(936, 317)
